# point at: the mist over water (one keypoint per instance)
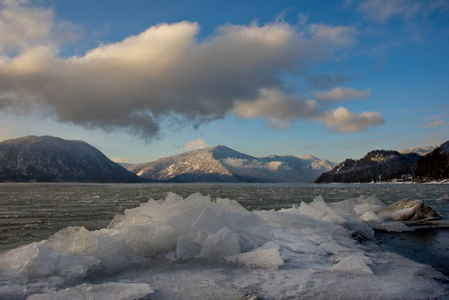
(32, 212)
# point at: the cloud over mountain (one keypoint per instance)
(165, 72)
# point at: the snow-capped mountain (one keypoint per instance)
(51, 159)
(418, 150)
(319, 164)
(222, 164)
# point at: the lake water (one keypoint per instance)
(33, 212)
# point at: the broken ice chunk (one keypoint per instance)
(197, 200)
(171, 199)
(221, 244)
(266, 258)
(353, 264)
(371, 216)
(320, 211)
(186, 249)
(365, 207)
(208, 221)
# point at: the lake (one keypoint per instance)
(34, 211)
(31, 212)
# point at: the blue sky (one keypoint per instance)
(141, 80)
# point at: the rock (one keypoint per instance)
(409, 210)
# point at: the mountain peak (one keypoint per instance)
(220, 152)
(309, 157)
(220, 147)
(223, 164)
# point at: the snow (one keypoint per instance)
(267, 257)
(198, 248)
(104, 291)
(353, 264)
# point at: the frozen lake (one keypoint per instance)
(32, 212)
(282, 254)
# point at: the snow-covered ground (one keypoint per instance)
(195, 248)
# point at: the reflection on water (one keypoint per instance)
(32, 212)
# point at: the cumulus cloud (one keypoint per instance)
(163, 73)
(343, 120)
(23, 26)
(338, 94)
(195, 144)
(145, 78)
(434, 124)
(277, 107)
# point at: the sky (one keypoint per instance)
(141, 80)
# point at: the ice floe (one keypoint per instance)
(195, 247)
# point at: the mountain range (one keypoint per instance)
(52, 159)
(223, 164)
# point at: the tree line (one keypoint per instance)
(433, 166)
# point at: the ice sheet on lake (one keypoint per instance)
(298, 252)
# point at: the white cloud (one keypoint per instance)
(434, 124)
(146, 78)
(273, 165)
(251, 164)
(164, 73)
(343, 120)
(118, 159)
(277, 107)
(381, 11)
(195, 144)
(334, 35)
(339, 94)
(23, 26)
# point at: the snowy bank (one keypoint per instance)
(197, 248)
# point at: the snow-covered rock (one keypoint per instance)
(409, 210)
